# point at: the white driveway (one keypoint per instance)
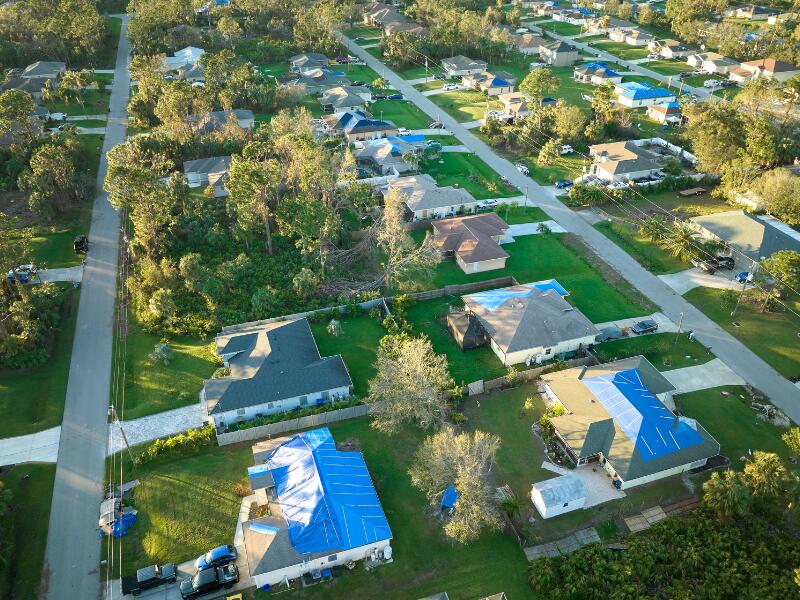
(714, 373)
(458, 148)
(532, 229)
(41, 447)
(664, 324)
(430, 132)
(100, 117)
(155, 426)
(683, 281)
(472, 124)
(64, 274)
(435, 92)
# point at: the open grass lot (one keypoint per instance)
(697, 80)
(658, 349)
(569, 89)
(431, 84)
(33, 399)
(704, 204)
(667, 67)
(518, 69)
(732, 422)
(773, 336)
(187, 505)
(648, 254)
(728, 93)
(152, 388)
(622, 50)
(466, 105)
(25, 528)
(91, 146)
(109, 58)
(513, 214)
(566, 167)
(402, 113)
(364, 31)
(469, 172)
(94, 102)
(357, 344)
(562, 28)
(357, 72)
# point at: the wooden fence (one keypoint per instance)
(481, 387)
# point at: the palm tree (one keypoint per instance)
(727, 494)
(765, 475)
(680, 241)
(72, 84)
(653, 228)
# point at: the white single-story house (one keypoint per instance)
(426, 200)
(492, 84)
(770, 68)
(274, 367)
(528, 43)
(615, 416)
(634, 94)
(473, 241)
(323, 512)
(639, 37)
(668, 112)
(461, 65)
(596, 73)
(559, 495)
(515, 104)
(531, 322)
(622, 161)
(211, 171)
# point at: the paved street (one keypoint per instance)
(73, 548)
(733, 353)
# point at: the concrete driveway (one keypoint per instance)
(521, 229)
(40, 447)
(714, 373)
(163, 424)
(664, 323)
(683, 281)
(731, 351)
(63, 274)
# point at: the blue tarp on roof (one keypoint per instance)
(449, 498)
(326, 496)
(585, 11)
(643, 91)
(492, 299)
(654, 430)
(497, 82)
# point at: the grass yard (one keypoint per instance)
(91, 146)
(25, 528)
(89, 123)
(465, 105)
(376, 52)
(469, 172)
(312, 104)
(657, 348)
(566, 167)
(33, 399)
(444, 140)
(703, 204)
(518, 69)
(357, 72)
(773, 336)
(357, 344)
(109, 58)
(648, 254)
(697, 80)
(365, 31)
(732, 422)
(95, 102)
(667, 67)
(431, 84)
(402, 113)
(569, 89)
(513, 214)
(152, 388)
(419, 72)
(562, 28)
(104, 78)
(622, 50)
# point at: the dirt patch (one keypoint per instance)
(349, 445)
(15, 204)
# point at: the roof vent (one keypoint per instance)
(583, 372)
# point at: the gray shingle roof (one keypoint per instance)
(747, 234)
(424, 194)
(272, 362)
(213, 164)
(267, 553)
(43, 68)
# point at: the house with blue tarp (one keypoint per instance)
(619, 415)
(323, 510)
(635, 94)
(357, 125)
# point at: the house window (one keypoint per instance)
(548, 351)
(325, 396)
(333, 557)
(303, 400)
(270, 405)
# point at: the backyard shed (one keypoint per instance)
(559, 495)
(466, 330)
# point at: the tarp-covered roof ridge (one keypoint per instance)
(326, 496)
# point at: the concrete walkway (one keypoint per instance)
(714, 373)
(572, 542)
(472, 124)
(436, 92)
(665, 325)
(683, 281)
(101, 117)
(41, 447)
(458, 148)
(430, 132)
(91, 130)
(62, 274)
(783, 393)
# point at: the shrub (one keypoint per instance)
(293, 414)
(181, 443)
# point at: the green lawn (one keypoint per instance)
(517, 68)
(569, 89)
(89, 123)
(432, 84)
(357, 344)
(623, 50)
(693, 206)
(152, 388)
(732, 422)
(465, 105)
(419, 72)
(364, 31)
(649, 254)
(562, 28)
(698, 80)
(104, 78)
(94, 102)
(658, 349)
(566, 167)
(91, 146)
(470, 172)
(772, 336)
(109, 58)
(667, 67)
(513, 214)
(33, 399)
(376, 52)
(25, 528)
(312, 104)
(444, 140)
(357, 72)
(402, 113)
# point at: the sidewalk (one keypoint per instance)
(41, 447)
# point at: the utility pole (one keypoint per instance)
(744, 286)
(677, 335)
(426, 69)
(112, 412)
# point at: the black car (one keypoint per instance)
(440, 76)
(684, 75)
(149, 578)
(645, 326)
(725, 262)
(379, 96)
(727, 83)
(209, 580)
(358, 83)
(81, 244)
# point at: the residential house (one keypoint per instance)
(578, 17)
(356, 125)
(32, 85)
(473, 241)
(669, 48)
(531, 322)
(316, 81)
(666, 113)
(770, 68)
(493, 84)
(719, 66)
(528, 43)
(558, 54)
(619, 34)
(543, 8)
(217, 120)
(379, 14)
(405, 27)
(596, 73)
(616, 416)
(460, 65)
(426, 200)
(559, 495)
(31, 127)
(515, 104)
(308, 61)
(753, 12)
(603, 25)
(639, 37)
(622, 161)
(634, 94)
(388, 156)
(323, 511)
(344, 98)
(44, 69)
(757, 237)
(205, 172)
(186, 59)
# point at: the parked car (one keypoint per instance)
(617, 185)
(493, 113)
(653, 55)
(435, 125)
(725, 262)
(355, 60)
(22, 273)
(149, 578)
(684, 75)
(711, 83)
(744, 276)
(707, 266)
(658, 175)
(536, 65)
(379, 96)
(216, 557)
(358, 83)
(608, 333)
(487, 204)
(522, 169)
(440, 76)
(433, 145)
(644, 326)
(566, 149)
(449, 87)
(58, 116)
(403, 131)
(563, 184)
(395, 96)
(343, 60)
(699, 72)
(727, 83)
(80, 244)
(209, 580)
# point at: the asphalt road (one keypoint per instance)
(733, 353)
(73, 547)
